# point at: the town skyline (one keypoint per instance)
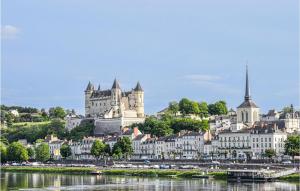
(197, 50)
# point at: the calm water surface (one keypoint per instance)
(57, 182)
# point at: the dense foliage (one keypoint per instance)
(86, 128)
(17, 152)
(270, 153)
(169, 125)
(97, 149)
(65, 151)
(292, 145)
(202, 109)
(42, 152)
(123, 148)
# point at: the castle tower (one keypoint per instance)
(248, 111)
(116, 94)
(139, 100)
(88, 93)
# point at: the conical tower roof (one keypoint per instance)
(116, 85)
(138, 87)
(89, 87)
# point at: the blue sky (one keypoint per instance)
(194, 49)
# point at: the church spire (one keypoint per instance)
(247, 90)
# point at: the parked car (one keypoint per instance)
(287, 162)
(215, 162)
(146, 161)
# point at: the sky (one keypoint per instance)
(196, 49)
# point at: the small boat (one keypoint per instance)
(96, 172)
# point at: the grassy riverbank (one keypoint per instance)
(128, 172)
(133, 172)
(154, 173)
(291, 178)
(67, 170)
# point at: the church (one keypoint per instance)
(248, 111)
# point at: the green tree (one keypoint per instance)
(17, 152)
(30, 152)
(42, 152)
(122, 148)
(270, 153)
(218, 108)
(57, 112)
(3, 153)
(86, 128)
(173, 107)
(65, 151)
(161, 129)
(292, 145)
(117, 152)
(97, 149)
(187, 106)
(107, 150)
(203, 109)
(57, 127)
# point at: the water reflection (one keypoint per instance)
(58, 182)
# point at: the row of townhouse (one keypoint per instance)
(232, 143)
(187, 145)
(250, 143)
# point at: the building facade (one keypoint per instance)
(114, 102)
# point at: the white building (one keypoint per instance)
(234, 144)
(272, 115)
(137, 145)
(54, 146)
(81, 150)
(268, 136)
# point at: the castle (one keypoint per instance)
(114, 109)
(113, 103)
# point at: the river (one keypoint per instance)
(57, 182)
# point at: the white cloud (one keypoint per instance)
(9, 32)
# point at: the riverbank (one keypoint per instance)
(173, 173)
(291, 178)
(89, 170)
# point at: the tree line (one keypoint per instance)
(16, 152)
(186, 106)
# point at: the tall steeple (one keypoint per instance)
(247, 90)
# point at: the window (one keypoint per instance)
(253, 139)
(270, 145)
(242, 116)
(266, 140)
(262, 140)
(246, 116)
(270, 139)
(256, 139)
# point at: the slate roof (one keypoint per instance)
(116, 85)
(89, 87)
(138, 87)
(247, 104)
(102, 93)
